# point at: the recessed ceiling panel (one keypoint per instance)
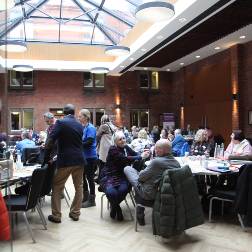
(122, 8)
(42, 30)
(76, 32)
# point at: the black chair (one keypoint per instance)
(141, 203)
(139, 165)
(229, 193)
(28, 157)
(23, 203)
(11, 143)
(33, 158)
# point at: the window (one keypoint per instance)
(99, 114)
(142, 114)
(21, 79)
(21, 118)
(148, 80)
(93, 80)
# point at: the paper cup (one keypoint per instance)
(186, 154)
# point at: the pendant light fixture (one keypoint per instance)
(13, 46)
(6, 4)
(117, 50)
(23, 68)
(99, 70)
(155, 11)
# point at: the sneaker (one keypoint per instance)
(50, 218)
(71, 216)
(141, 221)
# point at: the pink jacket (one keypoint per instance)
(244, 149)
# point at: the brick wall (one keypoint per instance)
(55, 89)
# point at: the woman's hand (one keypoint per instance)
(145, 154)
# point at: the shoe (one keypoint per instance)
(119, 214)
(85, 196)
(50, 218)
(49, 194)
(62, 196)
(112, 213)
(96, 181)
(141, 221)
(90, 202)
(71, 216)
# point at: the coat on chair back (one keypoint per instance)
(177, 205)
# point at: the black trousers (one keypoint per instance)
(88, 175)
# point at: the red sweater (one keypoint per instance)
(4, 221)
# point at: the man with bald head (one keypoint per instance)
(143, 181)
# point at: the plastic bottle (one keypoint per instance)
(18, 162)
(222, 151)
(215, 151)
(4, 154)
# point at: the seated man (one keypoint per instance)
(189, 130)
(25, 143)
(143, 181)
(178, 142)
(34, 136)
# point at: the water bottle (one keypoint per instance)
(222, 150)
(215, 151)
(4, 154)
(18, 162)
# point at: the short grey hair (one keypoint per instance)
(178, 131)
(26, 134)
(117, 135)
(48, 115)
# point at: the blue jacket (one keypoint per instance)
(68, 132)
(177, 143)
(26, 143)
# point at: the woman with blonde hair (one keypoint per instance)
(200, 145)
(89, 149)
(138, 145)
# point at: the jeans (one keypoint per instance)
(116, 195)
(88, 176)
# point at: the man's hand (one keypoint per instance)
(43, 145)
(145, 154)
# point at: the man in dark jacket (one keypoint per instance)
(70, 160)
(143, 181)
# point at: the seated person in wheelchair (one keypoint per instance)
(143, 181)
(112, 179)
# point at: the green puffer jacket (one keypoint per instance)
(177, 205)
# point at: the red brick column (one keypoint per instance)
(236, 85)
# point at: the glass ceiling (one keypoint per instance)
(89, 22)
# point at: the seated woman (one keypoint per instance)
(239, 146)
(200, 145)
(112, 179)
(171, 136)
(42, 138)
(138, 145)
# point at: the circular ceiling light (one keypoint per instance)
(197, 56)
(242, 37)
(217, 48)
(159, 37)
(3, 6)
(99, 70)
(13, 46)
(143, 49)
(117, 50)
(23, 68)
(154, 11)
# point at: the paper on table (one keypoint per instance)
(21, 175)
(29, 168)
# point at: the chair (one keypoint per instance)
(33, 158)
(23, 203)
(27, 152)
(185, 148)
(141, 203)
(11, 143)
(130, 193)
(239, 194)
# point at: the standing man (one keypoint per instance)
(50, 120)
(70, 160)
